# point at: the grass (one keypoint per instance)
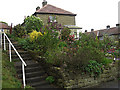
(9, 78)
(9, 75)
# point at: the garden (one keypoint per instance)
(62, 56)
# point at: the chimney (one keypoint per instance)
(92, 30)
(117, 25)
(44, 3)
(85, 30)
(108, 27)
(37, 8)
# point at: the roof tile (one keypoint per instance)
(53, 9)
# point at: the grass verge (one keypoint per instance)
(9, 78)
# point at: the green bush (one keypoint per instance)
(106, 61)
(77, 59)
(29, 87)
(65, 34)
(23, 42)
(94, 68)
(33, 23)
(19, 31)
(54, 57)
(50, 79)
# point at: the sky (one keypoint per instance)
(91, 14)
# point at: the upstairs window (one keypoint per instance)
(52, 19)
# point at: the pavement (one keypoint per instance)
(111, 84)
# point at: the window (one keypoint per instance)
(52, 19)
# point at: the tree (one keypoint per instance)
(19, 31)
(33, 23)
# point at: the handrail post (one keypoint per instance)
(10, 51)
(4, 42)
(23, 70)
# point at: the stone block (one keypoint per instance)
(106, 71)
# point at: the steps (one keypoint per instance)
(34, 73)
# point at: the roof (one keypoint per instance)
(72, 27)
(111, 31)
(4, 26)
(50, 9)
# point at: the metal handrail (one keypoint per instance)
(23, 62)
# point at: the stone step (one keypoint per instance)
(44, 86)
(29, 69)
(35, 79)
(32, 74)
(22, 55)
(28, 62)
(20, 52)
(24, 58)
(30, 65)
(39, 84)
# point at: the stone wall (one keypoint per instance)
(81, 81)
(61, 19)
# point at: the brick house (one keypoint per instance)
(113, 32)
(58, 15)
(4, 27)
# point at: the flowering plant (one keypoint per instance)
(34, 35)
(71, 38)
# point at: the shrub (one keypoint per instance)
(54, 57)
(23, 42)
(19, 31)
(82, 56)
(50, 79)
(106, 61)
(33, 23)
(29, 87)
(65, 32)
(94, 68)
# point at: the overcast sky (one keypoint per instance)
(96, 14)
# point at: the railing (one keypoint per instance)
(23, 62)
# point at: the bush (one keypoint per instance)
(19, 31)
(54, 57)
(65, 34)
(82, 56)
(94, 68)
(33, 23)
(106, 61)
(50, 79)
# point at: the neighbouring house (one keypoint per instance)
(4, 27)
(54, 14)
(113, 32)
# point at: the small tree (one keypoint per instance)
(33, 23)
(19, 31)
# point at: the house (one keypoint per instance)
(50, 13)
(113, 32)
(4, 27)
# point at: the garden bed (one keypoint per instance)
(66, 79)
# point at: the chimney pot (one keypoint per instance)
(92, 30)
(44, 3)
(108, 26)
(37, 8)
(117, 25)
(85, 30)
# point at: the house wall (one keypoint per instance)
(61, 19)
